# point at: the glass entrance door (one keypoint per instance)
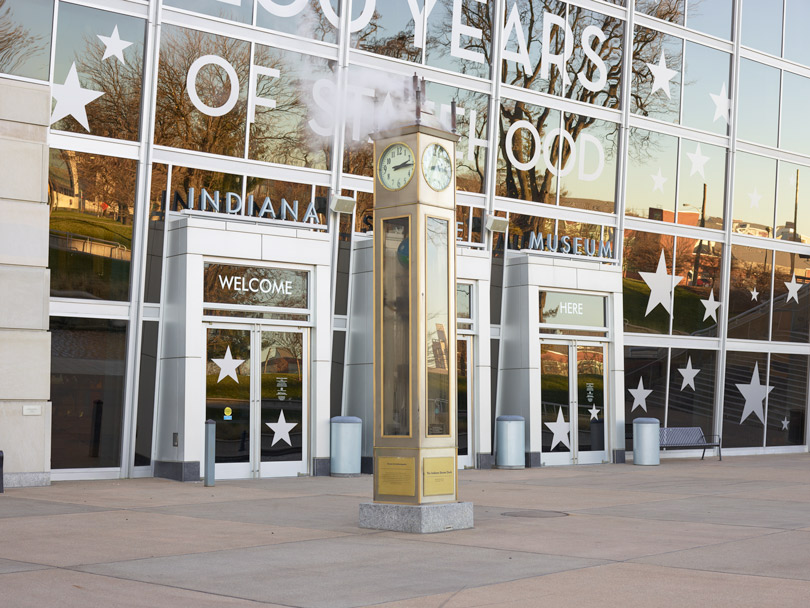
(256, 381)
(464, 410)
(572, 392)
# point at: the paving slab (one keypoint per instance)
(8, 565)
(14, 506)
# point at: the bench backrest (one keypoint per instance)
(689, 435)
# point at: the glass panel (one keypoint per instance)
(702, 186)
(797, 16)
(744, 399)
(273, 199)
(158, 198)
(186, 178)
(396, 326)
(657, 64)
(462, 223)
(88, 364)
(241, 10)
(647, 271)
(698, 293)
(749, 298)
(91, 204)
(791, 298)
(464, 385)
(392, 31)
(795, 133)
(98, 72)
(312, 20)
(652, 175)
(146, 394)
(459, 37)
(793, 203)
(336, 383)
(294, 108)
(555, 396)
(591, 397)
(255, 286)
(283, 411)
(214, 119)
(343, 264)
(559, 308)
(588, 164)
(227, 392)
(706, 89)
(758, 107)
(691, 389)
(754, 188)
(762, 25)
(464, 301)
(364, 212)
(671, 10)
(25, 37)
(532, 232)
(713, 17)
(437, 325)
(787, 403)
(645, 383)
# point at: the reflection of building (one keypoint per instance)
(92, 250)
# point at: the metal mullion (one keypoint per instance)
(620, 204)
(666, 385)
(255, 401)
(52, 59)
(573, 404)
(498, 9)
(248, 123)
(767, 399)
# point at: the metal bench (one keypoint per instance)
(689, 437)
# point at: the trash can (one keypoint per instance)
(510, 442)
(646, 441)
(346, 445)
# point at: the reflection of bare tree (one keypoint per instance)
(16, 42)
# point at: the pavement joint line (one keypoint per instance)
(726, 572)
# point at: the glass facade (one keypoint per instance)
(677, 147)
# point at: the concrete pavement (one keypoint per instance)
(685, 533)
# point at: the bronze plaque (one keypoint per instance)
(396, 476)
(440, 476)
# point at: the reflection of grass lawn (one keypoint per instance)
(102, 228)
(690, 311)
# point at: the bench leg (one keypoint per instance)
(704, 453)
(720, 452)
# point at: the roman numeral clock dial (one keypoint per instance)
(395, 168)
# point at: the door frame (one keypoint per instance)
(468, 461)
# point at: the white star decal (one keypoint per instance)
(114, 46)
(785, 423)
(722, 104)
(227, 366)
(560, 430)
(658, 181)
(754, 197)
(281, 429)
(661, 75)
(71, 99)
(688, 374)
(793, 289)
(594, 413)
(660, 285)
(754, 394)
(754, 295)
(711, 307)
(640, 395)
(698, 162)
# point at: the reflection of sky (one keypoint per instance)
(658, 105)
(586, 161)
(710, 17)
(440, 28)
(690, 190)
(651, 152)
(226, 10)
(797, 16)
(78, 25)
(393, 19)
(754, 175)
(795, 126)
(762, 25)
(707, 70)
(758, 107)
(36, 16)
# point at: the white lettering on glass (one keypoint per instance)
(460, 29)
(191, 85)
(253, 97)
(255, 285)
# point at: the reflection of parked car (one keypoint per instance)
(753, 229)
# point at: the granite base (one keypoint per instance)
(417, 519)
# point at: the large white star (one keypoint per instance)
(560, 430)
(281, 429)
(658, 181)
(227, 366)
(711, 307)
(793, 289)
(698, 162)
(640, 395)
(754, 295)
(594, 413)
(688, 374)
(754, 197)
(660, 285)
(754, 394)
(661, 75)
(114, 46)
(71, 98)
(722, 104)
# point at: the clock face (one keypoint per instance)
(436, 167)
(395, 167)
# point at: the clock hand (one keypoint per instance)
(407, 163)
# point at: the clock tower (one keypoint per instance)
(415, 379)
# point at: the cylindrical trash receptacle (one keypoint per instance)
(510, 442)
(646, 441)
(346, 445)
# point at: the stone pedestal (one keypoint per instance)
(417, 519)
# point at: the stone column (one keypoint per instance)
(25, 344)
